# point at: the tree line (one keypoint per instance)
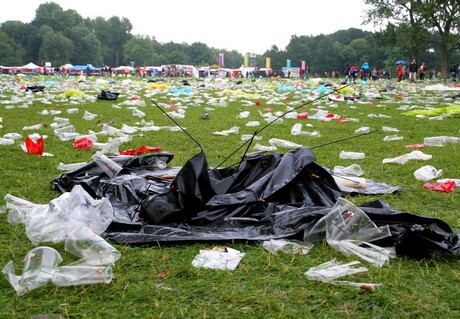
(64, 36)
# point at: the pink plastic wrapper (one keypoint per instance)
(415, 146)
(447, 187)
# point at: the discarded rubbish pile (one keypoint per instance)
(266, 197)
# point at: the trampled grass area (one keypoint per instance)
(159, 281)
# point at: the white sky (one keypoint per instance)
(242, 25)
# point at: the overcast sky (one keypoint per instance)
(242, 25)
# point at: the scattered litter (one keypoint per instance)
(351, 155)
(107, 165)
(353, 169)
(349, 181)
(349, 230)
(333, 269)
(223, 258)
(455, 180)
(363, 129)
(70, 167)
(232, 130)
(403, 159)
(389, 129)
(427, 173)
(283, 143)
(441, 140)
(264, 148)
(415, 146)
(392, 138)
(448, 186)
(287, 246)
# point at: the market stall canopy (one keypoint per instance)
(30, 66)
(83, 68)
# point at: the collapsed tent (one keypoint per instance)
(265, 197)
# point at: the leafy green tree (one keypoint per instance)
(87, 46)
(113, 34)
(140, 50)
(277, 58)
(11, 53)
(200, 54)
(26, 35)
(177, 57)
(415, 16)
(52, 15)
(55, 47)
(298, 50)
(234, 59)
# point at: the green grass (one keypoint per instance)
(263, 285)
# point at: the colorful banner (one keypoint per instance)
(246, 59)
(267, 63)
(303, 65)
(288, 63)
(221, 59)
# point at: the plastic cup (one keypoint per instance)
(40, 265)
(107, 165)
(92, 248)
(82, 275)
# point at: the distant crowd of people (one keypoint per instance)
(410, 73)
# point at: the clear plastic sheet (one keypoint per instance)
(349, 230)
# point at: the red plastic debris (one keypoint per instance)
(302, 116)
(35, 147)
(415, 146)
(342, 120)
(447, 187)
(258, 103)
(83, 143)
(141, 150)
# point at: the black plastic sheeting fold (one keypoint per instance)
(266, 197)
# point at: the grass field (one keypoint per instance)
(159, 281)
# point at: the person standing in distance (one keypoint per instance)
(413, 71)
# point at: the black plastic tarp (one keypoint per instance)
(267, 196)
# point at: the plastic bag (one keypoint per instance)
(350, 231)
(35, 147)
(426, 173)
(223, 258)
(447, 187)
(287, 246)
(141, 150)
(108, 95)
(331, 270)
(83, 143)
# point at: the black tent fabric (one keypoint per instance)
(267, 196)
